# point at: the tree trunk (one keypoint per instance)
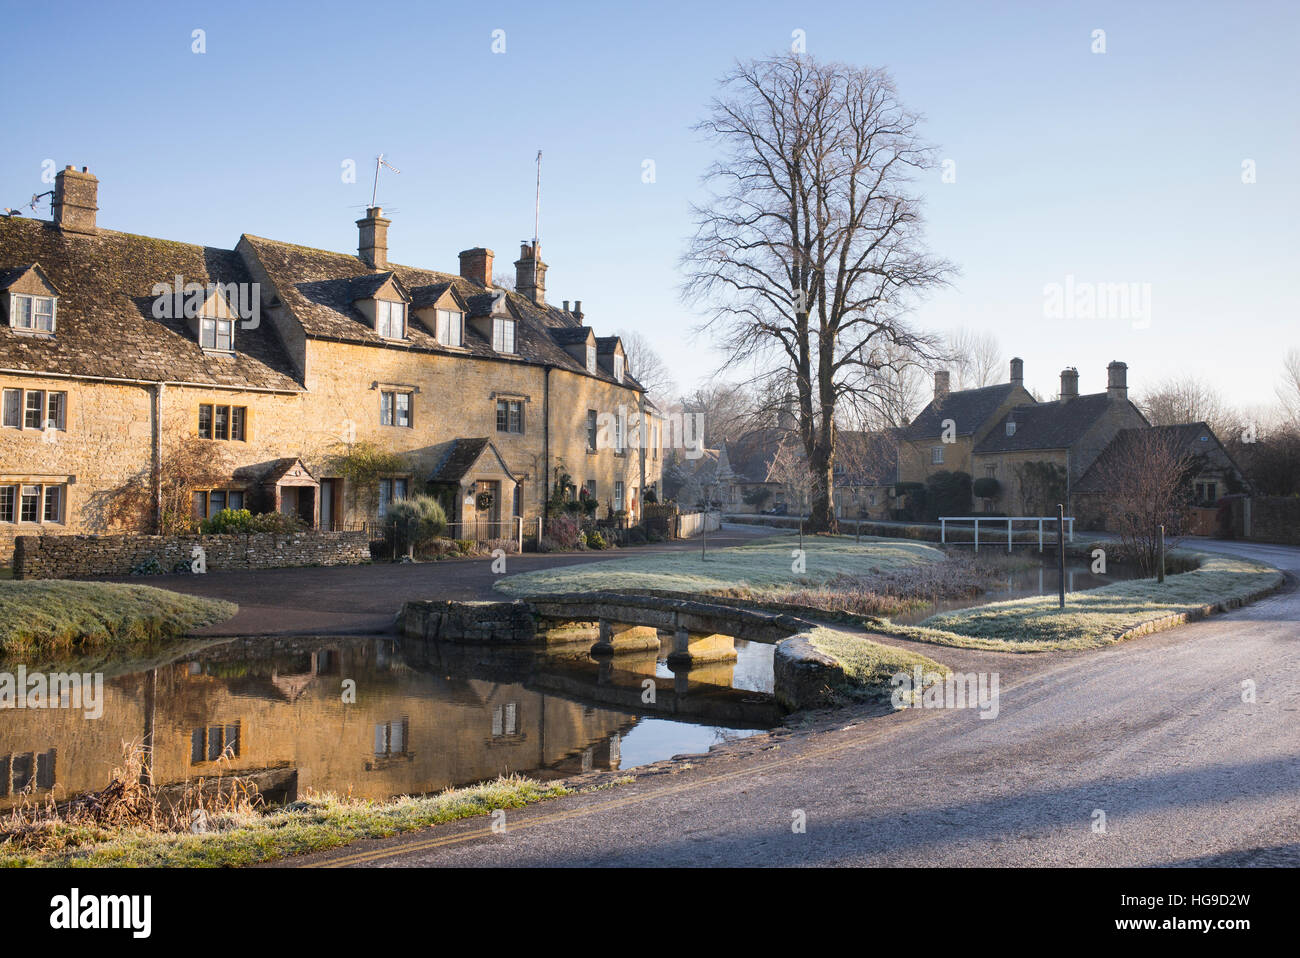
(822, 512)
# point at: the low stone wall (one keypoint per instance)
(66, 557)
(1275, 519)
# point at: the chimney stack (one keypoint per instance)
(373, 248)
(476, 266)
(940, 384)
(1017, 371)
(577, 309)
(1117, 380)
(76, 198)
(530, 272)
(1069, 384)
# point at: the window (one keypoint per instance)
(510, 415)
(591, 430)
(505, 720)
(395, 409)
(35, 313)
(55, 417)
(590, 488)
(222, 422)
(31, 500)
(389, 491)
(34, 409)
(214, 742)
(936, 454)
(619, 450)
(390, 319)
(451, 327)
(208, 503)
(391, 738)
(503, 335)
(591, 359)
(1207, 492)
(618, 368)
(217, 334)
(618, 494)
(33, 503)
(53, 504)
(1011, 427)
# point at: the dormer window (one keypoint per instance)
(503, 335)
(33, 313)
(390, 319)
(451, 327)
(618, 368)
(591, 360)
(1011, 427)
(217, 334)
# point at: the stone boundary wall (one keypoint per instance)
(66, 557)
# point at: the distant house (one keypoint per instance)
(1037, 452)
(1213, 475)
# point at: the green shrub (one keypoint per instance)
(241, 521)
(595, 540)
(414, 523)
(947, 494)
(986, 487)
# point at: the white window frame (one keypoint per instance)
(591, 360)
(936, 455)
(43, 490)
(619, 488)
(217, 334)
(389, 408)
(24, 306)
(618, 368)
(501, 326)
(451, 327)
(388, 312)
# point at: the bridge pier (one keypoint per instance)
(618, 637)
(691, 649)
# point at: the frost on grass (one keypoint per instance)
(765, 566)
(1097, 616)
(50, 618)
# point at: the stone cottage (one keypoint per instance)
(142, 378)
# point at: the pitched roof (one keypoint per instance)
(1190, 438)
(967, 408)
(317, 287)
(105, 322)
(1047, 425)
(458, 460)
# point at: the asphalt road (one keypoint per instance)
(1154, 733)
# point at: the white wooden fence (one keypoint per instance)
(1008, 521)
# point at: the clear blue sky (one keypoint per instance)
(1118, 167)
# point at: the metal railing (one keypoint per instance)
(1008, 520)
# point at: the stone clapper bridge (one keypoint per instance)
(703, 632)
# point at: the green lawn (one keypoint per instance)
(46, 619)
(318, 823)
(1095, 617)
(761, 565)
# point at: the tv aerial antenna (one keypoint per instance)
(380, 162)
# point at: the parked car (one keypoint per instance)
(777, 510)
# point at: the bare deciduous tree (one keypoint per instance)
(647, 366)
(809, 253)
(1147, 477)
(1183, 399)
(1288, 391)
(976, 358)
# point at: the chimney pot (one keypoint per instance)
(1069, 384)
(1117, 380)
(530, 273)
(373, 245)
(76, 199)
(476, 266)
(1017, 371)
